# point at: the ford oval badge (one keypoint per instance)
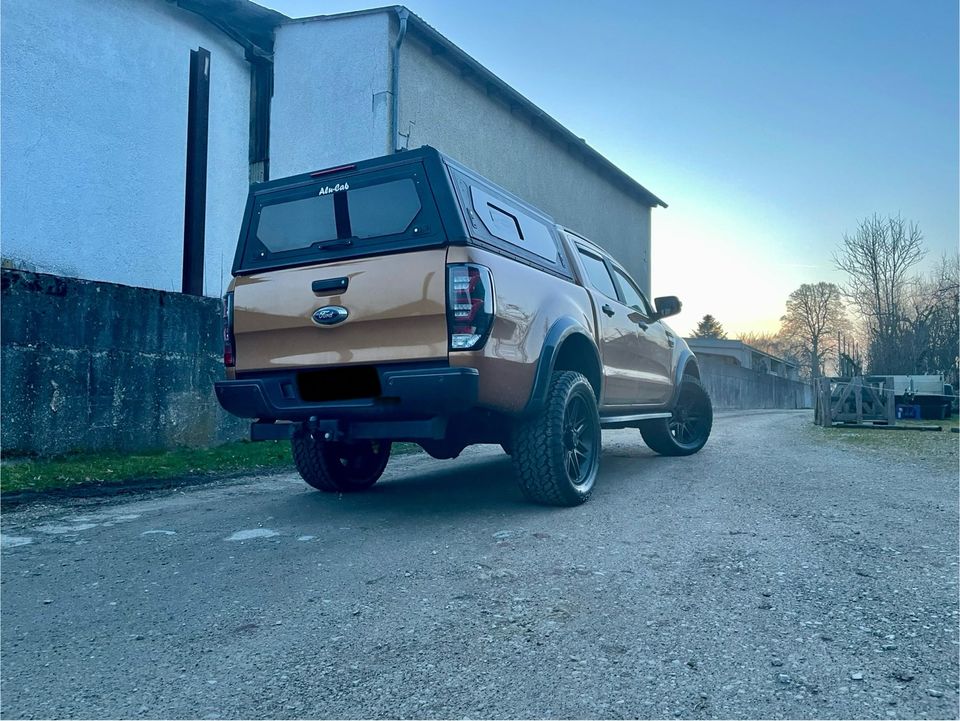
(330, 315)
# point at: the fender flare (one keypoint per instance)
(683, 362)
(561, 329)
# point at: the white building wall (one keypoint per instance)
(331, 97)
(439, 107)
(94, 125)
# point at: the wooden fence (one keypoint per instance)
(852, 400)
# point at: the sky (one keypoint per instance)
(769, 127)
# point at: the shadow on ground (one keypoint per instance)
(456, 488)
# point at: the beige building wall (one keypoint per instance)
(440, 107)
(331, 92)
(332, 104)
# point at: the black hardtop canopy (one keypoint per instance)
(456, 206)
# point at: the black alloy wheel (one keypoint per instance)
(579, 442)
(689, 426)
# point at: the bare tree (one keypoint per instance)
(878, 259)
(776, 344)
(814, 316)
(932, 321)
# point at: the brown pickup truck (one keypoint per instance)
(406, 298)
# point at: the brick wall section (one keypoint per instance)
(93, 366)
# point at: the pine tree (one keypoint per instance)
(709, 327)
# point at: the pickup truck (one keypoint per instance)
(407, 298)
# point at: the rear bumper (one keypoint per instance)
(406, 394)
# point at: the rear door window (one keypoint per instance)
(598, 274)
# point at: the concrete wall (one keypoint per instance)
(331, 99)
(725, 350)
(93, 108)
(96, 366)
(439, 107)
(731, 386)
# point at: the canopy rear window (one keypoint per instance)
(297, 223)
(338, 217)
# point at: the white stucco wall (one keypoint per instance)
(331, 99)
(441, 108)
(93, 109)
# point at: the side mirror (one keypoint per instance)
(667, 305)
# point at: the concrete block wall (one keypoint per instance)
(733, 387)
(89, 366)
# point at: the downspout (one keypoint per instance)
(402, 15)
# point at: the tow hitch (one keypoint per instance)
(329, 430)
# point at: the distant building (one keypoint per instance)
(99, 98)
(738, 353)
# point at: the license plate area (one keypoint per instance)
(338, 384)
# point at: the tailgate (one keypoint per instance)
(395, 305)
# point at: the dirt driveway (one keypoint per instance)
(778, 573)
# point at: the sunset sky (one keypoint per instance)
(769, 127)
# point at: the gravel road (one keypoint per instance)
(772, 575)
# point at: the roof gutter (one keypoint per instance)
(402, 15)
(252, 51)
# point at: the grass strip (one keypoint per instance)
(112, 469)
(939, 449)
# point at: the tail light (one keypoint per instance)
(229, 346)
(469, 305)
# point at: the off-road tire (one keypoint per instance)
(542, 445)
(688, 430)
(340, 467)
